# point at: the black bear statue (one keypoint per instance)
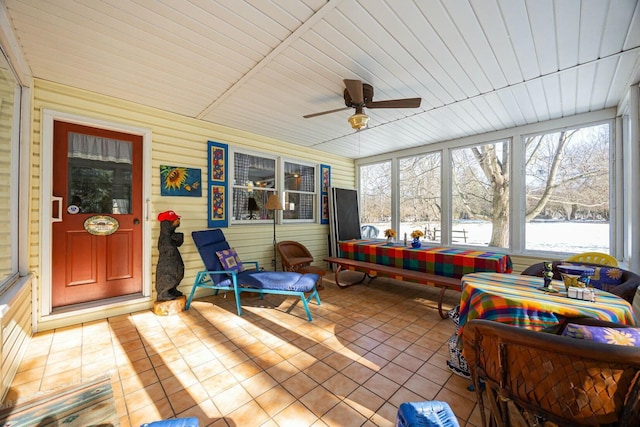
(170, 268)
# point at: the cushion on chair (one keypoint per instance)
(229, 260)
(605, 278)
(617, 336)
(276, 280)
(208, 243)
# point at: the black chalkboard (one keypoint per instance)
(344, 215)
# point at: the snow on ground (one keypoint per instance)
(548, 236)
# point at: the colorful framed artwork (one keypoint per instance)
(217, 171)
(180, 181)
(325, 183)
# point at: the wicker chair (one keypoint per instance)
(296, 257)
(533, 378)
(630, 281)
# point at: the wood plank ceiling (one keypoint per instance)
(260, 65)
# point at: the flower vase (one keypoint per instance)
(415, 243)
(389, 240)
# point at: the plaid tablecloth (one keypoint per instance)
(515, 300)
(449, 262)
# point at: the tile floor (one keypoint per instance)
(369, 348)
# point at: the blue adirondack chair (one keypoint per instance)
(210, 242)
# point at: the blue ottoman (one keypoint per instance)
(426, 414)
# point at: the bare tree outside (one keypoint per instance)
(420, 195)
(567, 183)
(566, 190)
(375, 195)
(480, 181)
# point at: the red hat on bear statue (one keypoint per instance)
(168, 216)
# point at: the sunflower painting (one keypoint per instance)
(180, 181)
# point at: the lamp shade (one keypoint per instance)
(358, 121)
(273, 203)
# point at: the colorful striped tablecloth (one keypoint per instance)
(449, 262)
(515, 300)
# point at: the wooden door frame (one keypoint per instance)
(46, 207)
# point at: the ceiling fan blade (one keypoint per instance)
(308, 116)
(354, 87)
(396, 103)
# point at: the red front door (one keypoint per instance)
(97, 188)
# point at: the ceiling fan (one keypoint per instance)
(359, 95)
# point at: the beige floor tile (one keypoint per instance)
(259, 384)
(26, 376)
(364, 401)
(231, 399)
(368, 349)
(343, 415)
(299, 384)
(395, 373)
(319, 400)
(275, 400)
(320, 372)
(382, 386)
(340, 385)
(249, 414)
(295, 415)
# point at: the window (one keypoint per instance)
(567, 190)
(256, 177)
(555, 198)
(299, 192)
(480, 195)
(9, 172)
(375, 198)
(99, 174)
(420, 195)
(254, 180)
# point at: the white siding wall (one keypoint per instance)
(177, 141)
(15, 330)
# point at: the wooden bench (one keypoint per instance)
(372, 270)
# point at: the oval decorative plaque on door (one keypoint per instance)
(101, 225)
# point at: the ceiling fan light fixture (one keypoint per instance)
(358, 121)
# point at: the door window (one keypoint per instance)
(99, 174)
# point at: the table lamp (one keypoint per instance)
(274, 204)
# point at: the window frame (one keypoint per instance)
(315, 193)
(16, 179)
(514, 137)
(279, 187)
(615, 214)
(236, 186)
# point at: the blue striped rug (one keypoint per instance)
(81, 405)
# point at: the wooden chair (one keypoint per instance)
(534, 378)
(598, 258)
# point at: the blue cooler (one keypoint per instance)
(426, 414)
(174, 422)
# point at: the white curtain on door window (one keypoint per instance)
(97, 148)
(121, 206)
